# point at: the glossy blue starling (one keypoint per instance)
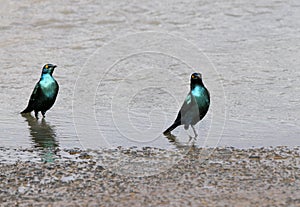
(44, 92)
(194, 107)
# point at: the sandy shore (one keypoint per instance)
(196, 177)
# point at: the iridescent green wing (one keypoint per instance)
(188, 105)
(35, 95)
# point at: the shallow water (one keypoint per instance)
(122, 86)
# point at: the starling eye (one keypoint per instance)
(46, 66)
(193, 76)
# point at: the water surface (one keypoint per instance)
(254, 47)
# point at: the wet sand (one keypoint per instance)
(227, 177)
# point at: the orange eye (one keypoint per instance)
(193, 76)
(46, 66)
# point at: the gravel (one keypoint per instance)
(151, 177)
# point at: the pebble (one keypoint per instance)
(152, 177)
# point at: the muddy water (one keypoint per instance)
(121, 97)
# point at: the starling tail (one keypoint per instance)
(173, 126)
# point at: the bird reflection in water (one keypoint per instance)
(43, 136)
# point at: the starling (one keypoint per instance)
(44, 92)
(194, 107)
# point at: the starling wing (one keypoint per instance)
(33, 98)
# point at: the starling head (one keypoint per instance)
(196, 78)
(48, 69)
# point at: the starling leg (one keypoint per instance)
(196, 135)
(43, 113)
(36, 114)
